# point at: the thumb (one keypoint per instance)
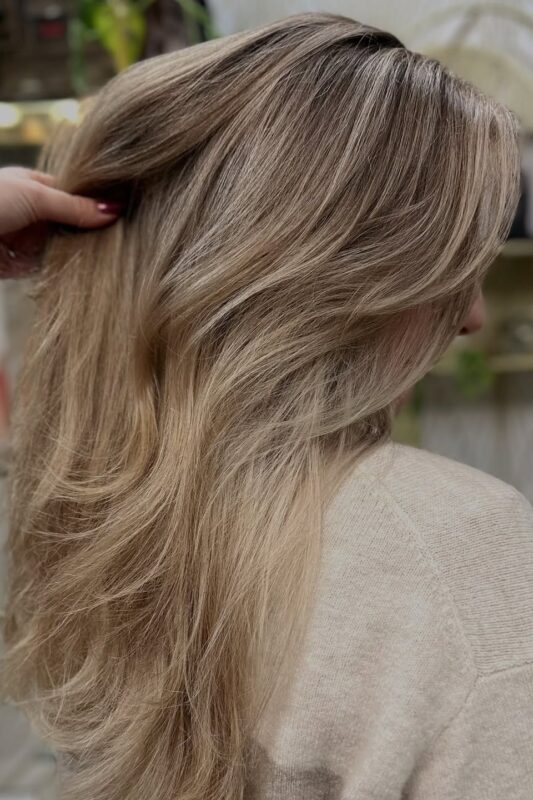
(56, 206)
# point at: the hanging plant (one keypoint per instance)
(120, 28)
(117, 25)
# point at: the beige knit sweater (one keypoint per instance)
(416, 679)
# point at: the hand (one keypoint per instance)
(28, 202)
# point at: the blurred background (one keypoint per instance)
(476, 405)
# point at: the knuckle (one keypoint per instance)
(13, 172)
(79, 213)
(34, 200)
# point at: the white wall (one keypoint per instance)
(499, 47)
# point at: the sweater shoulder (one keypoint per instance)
(411, 470)
(477, 531)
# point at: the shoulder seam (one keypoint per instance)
(378, 484)
(446, 727)
(425, 555)
(479, 679)
(511, 668)
(470, 664)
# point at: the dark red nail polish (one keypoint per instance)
(109, 207)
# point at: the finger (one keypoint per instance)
(42, 177)
(17, 173)
(83, 212)
(25, 173)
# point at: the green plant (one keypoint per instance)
(118, 25)
(473, 372)
(121, 28)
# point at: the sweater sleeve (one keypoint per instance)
(486, 752)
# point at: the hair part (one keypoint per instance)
(310, 210)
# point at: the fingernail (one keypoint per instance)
(109, 207)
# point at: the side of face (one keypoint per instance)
(476, 317)
(473, 322)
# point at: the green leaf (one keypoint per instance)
(119, 26)
(473, 373)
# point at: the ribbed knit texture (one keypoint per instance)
(416, 677)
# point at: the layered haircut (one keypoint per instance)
(311, 209)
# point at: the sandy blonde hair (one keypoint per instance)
(311, 208)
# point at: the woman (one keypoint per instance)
(226, 581)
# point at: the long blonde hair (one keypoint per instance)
(311, 208)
